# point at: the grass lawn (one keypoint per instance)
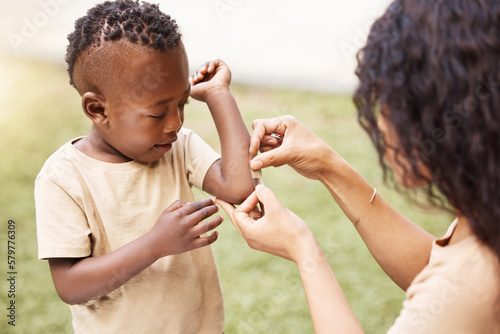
(263, 294)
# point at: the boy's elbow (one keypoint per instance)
(69, 300)
(67, 297)
(70, 296)
(239, 194)
(230, 188)
(68, 289)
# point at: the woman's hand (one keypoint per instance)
(279, 232)
(211, 76)
(300, 147)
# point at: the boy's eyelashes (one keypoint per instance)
(180, 106)
(158, 116)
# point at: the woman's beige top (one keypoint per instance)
(457, 292)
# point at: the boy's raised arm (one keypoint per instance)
(229, 178)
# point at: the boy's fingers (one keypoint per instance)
(205, 241)
(207, 226)
(211, 67)
(203, 68)
(174, 206)
(203, 213)
(197, 206)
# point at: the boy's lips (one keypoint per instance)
(168, 141)
(165, 146)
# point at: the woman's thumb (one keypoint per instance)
(267, 197)
(274, 158)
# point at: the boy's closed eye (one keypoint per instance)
(158, 116)
(180, 106)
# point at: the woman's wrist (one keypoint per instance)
(307, 251)
(333, 166)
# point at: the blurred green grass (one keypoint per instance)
(263, 294)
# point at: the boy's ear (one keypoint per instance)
(95, 107)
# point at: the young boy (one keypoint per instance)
(98, 198)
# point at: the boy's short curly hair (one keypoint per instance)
(435, 65)
(136, 22)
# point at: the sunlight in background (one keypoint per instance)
(274, 43)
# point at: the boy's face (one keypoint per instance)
(145, 104)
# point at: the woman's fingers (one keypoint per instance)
(272, 137)
(229, 209)
(241, 216)
(263, 128)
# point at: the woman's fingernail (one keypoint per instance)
(256, 164)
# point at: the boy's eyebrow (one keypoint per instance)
(170, 99)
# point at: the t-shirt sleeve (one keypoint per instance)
(62, 228)
(199, 157)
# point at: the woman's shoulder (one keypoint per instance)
(469, 262)
(458, 290)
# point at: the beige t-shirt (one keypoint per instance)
(86, 207)
(457, 292)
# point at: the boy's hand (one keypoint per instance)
(211, 76)
(180, 227)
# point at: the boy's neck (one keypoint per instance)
(93, 146)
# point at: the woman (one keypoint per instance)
(428, 97)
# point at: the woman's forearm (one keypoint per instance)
(330, 311)
(400, 247)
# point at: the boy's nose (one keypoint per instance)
(174, 122)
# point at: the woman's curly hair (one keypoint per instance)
(122, 19)
(435, 65)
